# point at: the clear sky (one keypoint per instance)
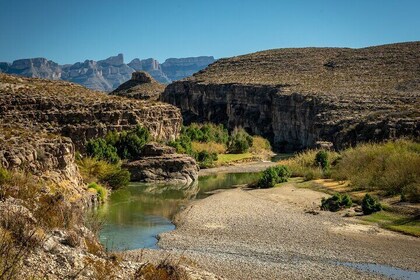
(74, 30)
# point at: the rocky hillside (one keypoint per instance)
(141, 86)
(106, 75)
(74, 111)
(296, 97)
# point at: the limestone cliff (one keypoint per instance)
(296, 97)
(76, 112)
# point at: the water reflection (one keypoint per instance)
(135, 215)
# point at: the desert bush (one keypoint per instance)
(100, 190)
(101, 150)
(336, 202)
(274, 175)
(391, 167)
(321, 159)
(164, 270)
(370, 204)
(111, 175)
(239, 142)
(260, 145)
(411, 193)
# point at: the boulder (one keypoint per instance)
(160, 163)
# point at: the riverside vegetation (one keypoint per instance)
(212, 145)
(377, 171)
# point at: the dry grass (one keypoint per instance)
(392, 167)
(303, 164)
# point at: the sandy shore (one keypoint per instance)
(267, 234)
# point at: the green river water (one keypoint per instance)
(136, 214)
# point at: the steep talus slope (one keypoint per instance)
(74, 111)
(296, 97)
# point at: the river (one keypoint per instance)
(136, 214)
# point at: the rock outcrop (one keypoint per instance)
(44, 155)
(104, 75)
(151, 66)
(297, 97)
(161, 164)
(141, 86)
(78, 113)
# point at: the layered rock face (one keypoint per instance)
(296, 97)
(162, 164)
(141, 86)
(179, 68)
(105, 75)
(47, 156)
(81, 114)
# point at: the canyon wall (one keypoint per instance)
(296, 97)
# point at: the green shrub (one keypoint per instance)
(240, 141)
(205, 159)
(130, 143)
(336, 202)
(321, 159)
(370, 204)
(274, 175)
(100, 190)
(205, 133)
(100, 149)
(116, 179)
(182, 145)
(119, 145)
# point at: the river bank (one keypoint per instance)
(271, 234)
(248, 167)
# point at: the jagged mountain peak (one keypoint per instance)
(107, 74)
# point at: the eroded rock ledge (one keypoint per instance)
(76, 112)
(161, 164)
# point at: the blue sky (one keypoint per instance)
(74, 30)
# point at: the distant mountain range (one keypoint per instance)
(108, 74)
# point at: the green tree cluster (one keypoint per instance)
(119, 145)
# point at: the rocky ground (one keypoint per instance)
(279, 234)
